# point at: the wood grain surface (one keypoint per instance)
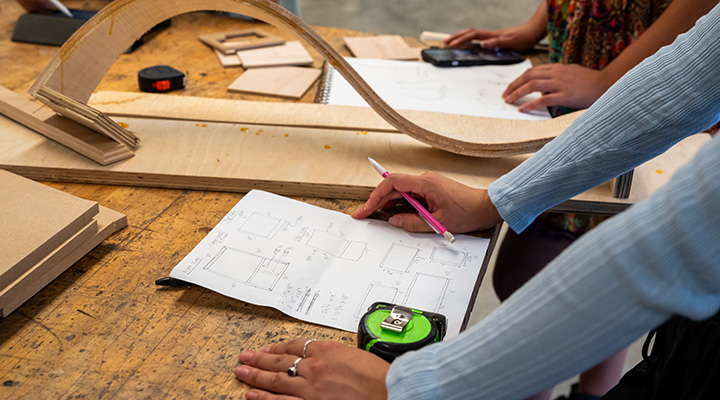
(102, 329)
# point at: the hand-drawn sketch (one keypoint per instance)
(325, 267)
(336, 246)
(427, 292)
(263, 226)
(447, 255)
(243, 267)
(375, 293)
(399, 258)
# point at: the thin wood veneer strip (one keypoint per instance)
(79, 66)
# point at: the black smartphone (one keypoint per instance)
(472, 55)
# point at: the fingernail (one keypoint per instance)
(251, 395)
(245, 356)
(265, 349)
(395, 221)
(242, 372)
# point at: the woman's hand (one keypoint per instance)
(330, 370)
(568, 85)
(458, 207)
(518, 38)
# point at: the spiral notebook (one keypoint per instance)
(408, 85)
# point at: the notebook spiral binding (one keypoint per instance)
(323, 94)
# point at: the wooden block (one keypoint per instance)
(228, 60)
(291, 53)
(290, 82)
(69, 133)
(251, 39)
(390, 47)
(105, 223)
(34, 220)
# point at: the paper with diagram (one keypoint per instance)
(407, 85)
(325, 267)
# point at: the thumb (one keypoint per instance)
(409, 222)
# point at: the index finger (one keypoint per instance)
(389, 190)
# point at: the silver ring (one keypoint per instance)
(292, 371)
(306, 345)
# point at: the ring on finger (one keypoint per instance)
(292, 371)
(304, 353)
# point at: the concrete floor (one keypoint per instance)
(409, 18)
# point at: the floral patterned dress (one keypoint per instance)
(591, 33)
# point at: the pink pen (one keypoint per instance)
(425, 214)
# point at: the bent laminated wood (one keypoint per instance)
(78, 67)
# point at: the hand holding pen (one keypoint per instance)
(460, 208)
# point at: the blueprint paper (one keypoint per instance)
(325, 267)
(408, 85)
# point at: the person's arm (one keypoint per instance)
(572, 85)
(623, 278)
(521, 37)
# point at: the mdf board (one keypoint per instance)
(290, 161)
(290, 53)
(291, 82)
(228, 60)
(105, 223)
(230, 42)
(35, 220)
(388, 47)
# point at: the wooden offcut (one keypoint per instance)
(291, 82)
(231, 42)
(387, 47)
(45, 121)
(290, 53)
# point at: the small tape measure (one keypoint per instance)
(161, 78)
(389, 330)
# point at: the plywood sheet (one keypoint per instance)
(35, 219)
(291, 82)
(290, 53)
(105, 223)
(290, 161)
(388, 47)
(228, 60)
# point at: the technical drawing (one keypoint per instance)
(243, 267)
(376, 293)
(260, 225)
(336, 246)
(448, 256)
(426, 292)
(425, 90)
(399, 258)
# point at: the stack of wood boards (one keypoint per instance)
(45, 121)
(43, 232)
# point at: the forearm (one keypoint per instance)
(537, 24)
(678, 18)
(620, 280)
(667, 97)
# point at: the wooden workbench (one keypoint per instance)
(103, 329)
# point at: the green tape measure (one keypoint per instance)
(389, 330)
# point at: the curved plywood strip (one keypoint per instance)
(82, 62)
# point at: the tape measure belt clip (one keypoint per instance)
(389, 330)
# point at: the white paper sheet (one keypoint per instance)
(325, 267)
(408, 85)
